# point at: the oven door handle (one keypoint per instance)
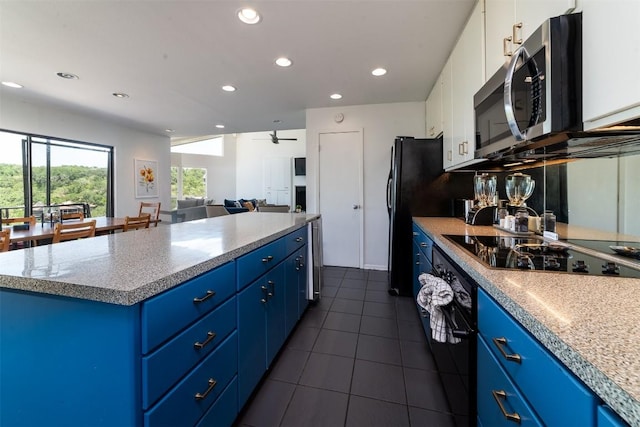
(456, 331)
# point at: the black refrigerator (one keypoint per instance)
(417, 186)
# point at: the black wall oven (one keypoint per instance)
(456, 362)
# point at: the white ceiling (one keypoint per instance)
(172, 57)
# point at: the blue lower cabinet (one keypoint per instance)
(303, 280)
(499, 401)
(275, 312)
(68, 362)
(224, 411)
(292, 313)
(192, 397)
(608, 418)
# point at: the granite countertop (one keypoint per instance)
(590, 323)
(126, 268)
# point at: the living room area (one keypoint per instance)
(234, 173)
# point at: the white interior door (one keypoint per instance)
(340, 198)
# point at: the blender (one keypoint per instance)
(519, 188)
(485, 190)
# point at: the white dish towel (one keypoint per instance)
(435, 293)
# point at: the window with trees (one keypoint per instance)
(37, 172)
(187, 182)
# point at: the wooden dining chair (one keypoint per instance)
(153, 209)
(72, 215)
(136, 222)
(72, 231)
(31, 220)
(5, 240)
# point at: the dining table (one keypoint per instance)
(44, 231)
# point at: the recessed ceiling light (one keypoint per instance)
(12, 84)
(169, 130)
(283, 62)
(379, 72)
(228, 88)
(68, 76)
(248, 15)
(220, 126)
(336, 96)
(120, 95)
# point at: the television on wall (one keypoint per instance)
(300, 166)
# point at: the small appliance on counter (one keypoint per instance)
(485, 190)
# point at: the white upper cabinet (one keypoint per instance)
(447, 115)
(462, 77)
(611, 60)
(434, 110)
(509, 22)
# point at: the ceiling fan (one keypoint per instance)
(276, 140)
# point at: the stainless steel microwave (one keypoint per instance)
(536, 95)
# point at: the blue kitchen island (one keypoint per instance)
(173, 325)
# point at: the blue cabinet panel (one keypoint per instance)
(561, 399)
(65, 361)
(169, 312)
(252, 339)
(224, 411)
(303, 279)
(423, 241)
(291, 313)
(193, 396)
(295, 240)
(168, 364)
(608, 418)
(498, 396)
(275, 311)
(259, 261)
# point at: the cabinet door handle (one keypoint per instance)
(500, 395)
(210, 337)
(465, 147)
(299, 239)
(449, 155)
(423, 244)
(461, 148)
(506, 51)
(273, 288)
(502, 341)
(208, 295)
(415, 234)
(267, 259)
(212, 383)
(517, 27)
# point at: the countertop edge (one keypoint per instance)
(611, 393)
(146, 291)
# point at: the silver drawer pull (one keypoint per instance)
(208, 295)
(299, 239)
(502, 341)
(212, 383)
(210, 337)
(499, 396)
(267, 259)
(423, 244)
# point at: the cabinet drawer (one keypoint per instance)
(169, 363)
(225, 410)
(295, 240)
(172, 311)
(191, 398)
(424, 243)
(256, 263)
(561, 399)
(495, 386)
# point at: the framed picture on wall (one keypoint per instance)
(145, 175)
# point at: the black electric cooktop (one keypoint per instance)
(530, 253)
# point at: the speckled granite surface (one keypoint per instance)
(126, 268)
(590, 323)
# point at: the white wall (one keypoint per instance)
(381, 123)
(221, 171)
(54, 121)
(253, 148)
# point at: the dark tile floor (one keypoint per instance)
(357, 358)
